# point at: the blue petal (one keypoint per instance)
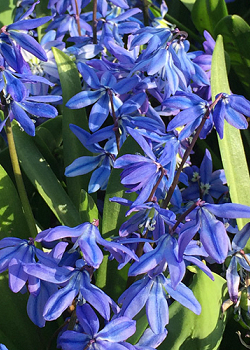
(35, 305)
(233, 279)
(240, 104)
(213, 236)
(22, 117)
(29, 24)
(29, 44)
(83, 99)
(59, 301)
(235, 118)
(135, 297)
(133, 103)
(118, 330)
(95, 296)
(229, 210)
(89, 75)
(82, 165)
(185, 117)
(39, 109)
(87, 242)
(99, 113)
(87, 319)
(100, 176)
(85, 137)
(142, 142)
(15, 87)
(157, 308)
(71, 340)
(184, 296)
(241, 238)
(157, 62)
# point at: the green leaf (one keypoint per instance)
(12, 219)
(44, 180)
(188, 3)
(72, 147)
(43, 140)
(207, 13)
(236, 37)
(88, 209)
(187, 330)
(141, 325)
(16, 329)
(14, 317)
(7, 12)
(231, 147)
(54, 126)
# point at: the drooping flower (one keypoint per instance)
(231, 108)
(110, 337)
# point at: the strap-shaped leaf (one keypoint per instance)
(231, 147)
(236, 37)
(12, 219)
(188, 331)
(43, 178)
(72, 147)
(207, 13)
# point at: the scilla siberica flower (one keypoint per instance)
(143, 173)
(86, 236)
(239, 258)
(14, 252)
(101, 163)
(213, 235)
(232, 108)
(151, 290)
(76, 283)
(110, 337)
(16, 33)
(203, 182)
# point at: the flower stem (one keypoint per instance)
(78, 19)
(94, 22)
(19, 181)
(182, 217)
(145, 12)
(187, 153)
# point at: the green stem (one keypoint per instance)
(19, 181)
(145, 12)
(94, 22)
(78, 19)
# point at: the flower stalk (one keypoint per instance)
(19, 180)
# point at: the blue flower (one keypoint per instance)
(104, 91)
(213, 235)
(239, 258)
(14, 253)
(103, 162)
(78, 285)
(110, 337)
(203, 183)
(151, 291)
(143, 173)
(233, 108)
(193, 110)
(86, 236)
(15, 32)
